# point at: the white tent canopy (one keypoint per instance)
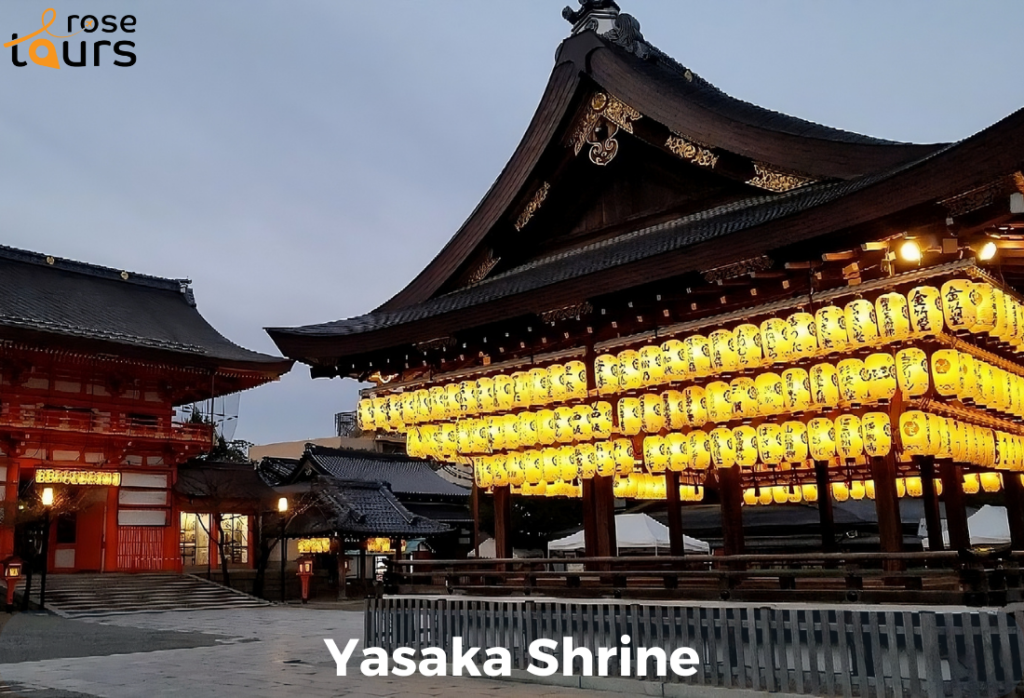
(489, 546)
(633, 533)
(987, 526)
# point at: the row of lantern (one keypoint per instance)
(553, 465)
(926, 434)
(632, 486)
(974, 381)
(780, 494)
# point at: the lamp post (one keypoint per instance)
(47, 504)
(282, 509)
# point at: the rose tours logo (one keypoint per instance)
(43, 52)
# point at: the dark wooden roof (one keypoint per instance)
(63, 303)
(853, 180)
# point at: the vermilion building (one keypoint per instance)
(93, 363)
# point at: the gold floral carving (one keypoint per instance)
(599, 125)
(738, 269)
(569, 312)
(982, 196)
(773, 179)
(484, 268)
(531, 208)
(692, 151)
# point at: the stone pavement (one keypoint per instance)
(255, 653)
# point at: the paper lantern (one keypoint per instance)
(414, 443)
(499, 472)
(630, 416)
(915, 488)
(999, 327)
(482, 473)
(925, 307)
(540, 386)
(869, 488)
(853, 388)
(604, 453)
(678, 451)
(743, 396)
(528, 435)
(809, 492)
(515, 470)
(770, 448)
(510, 431)
(695, 406)
(652, 365)
(656, 454)
(748, 346)
(780, 494)
(914, 433)
(958, 443)
(745, 439)
(881, 377)
(824, 386)
(861, 323)
(750, 496)
(960, 304)
(849, 439)
(675, 409)
(796, 385)
(991, 482)
(723, 447)
(775, 341)
(985, 316)
(795, 447)
(985, 382)
(557, 388)
(764, 496)
(582, 426)
(379, 413)
(533, 467)
(700, 449)
(821, 436)
(652, 411)
(840, 491)
(971, 484)
(912, 372)
(601, 421)
(724, 358)
(893, 316)
(546, 427)
(624, 456)
(606, 374)
(674, 358)
(630, 375)
(877, 433)
(718, 403)
(409, 410)
(857, 490)
(586, 460)
(522, 389)
(423, 405)
(567, 464)
(469, 397)
(770, 394)
(563, 425)
(803, 331)
(946, 372)
(698, 356)
(504, 393)
(832, 334)
(486, 434)
(365, 415)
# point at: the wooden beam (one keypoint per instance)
(675, 514)
(887, 508)
(604, 509)
(926, 465)
(502, 522)
(1013, 498)
(956, 510)
(825, 513)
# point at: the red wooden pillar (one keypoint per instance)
(675, 514)
(502, 522)
(730, 492)
(604, 516)
(887, 508)
(926, 466)
(589, 518)
(110, 532)
(956, 511)
(1013, 498)
(826, 515)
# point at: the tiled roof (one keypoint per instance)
(276, 471)
(42, 294)
(359, 507)
(405, 476)
(223, 481)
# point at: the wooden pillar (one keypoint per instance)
(926, 465)
(1013, 498)
(887, 509)
(956, 510)
(604, 514)
(675, 514)
(362, 563)
(502, 522)
(826, 515)
(589, 518)
(474, 501)
(730, 491)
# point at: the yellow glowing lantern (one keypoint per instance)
(380, 413)
(630, 376)
(568, 468)
(504, 392)
(853, 388)
(678, 451)
(606, 374)
(946, 372)
(652, 410)
(550, 464)
(586, 460)
(540, 386)
(985, 381)
(528, 435)
(563, 425)
(601, 420)
(452, 401)
(775, 341)
(795, 447)
(576, 380)
(743, 396)
(971, 484)
(960, 304)
(414, 443)
(869, 488)
(991, 482)
(724, 358)
(750, 496)
(745, 439)
(484, 398)
(832, 334)
(514, 468)
(803, 331)
(809, 492)
(748, 346)
(769, 443)
(630, 416)
(482, 473)
(625, 458)
(522, 389)
(546, 427)
(700, 449)
(695, 406)
(718, 403)
(796, 384)
(675, 414)
(410, 404)
(893, 316)
(857, 490)
(985, 317)
(510, 431)
(674, 357)
(557, 388)
(582, 427)
(914, 433)
(861, 322)
(723, 447)
(652, 365)
(914, 487)
(780, 494)
(821, 435)
(849, 439)
(698, 356)
(365, 415)
(877, 433)
(881, 377)
(424, 405)
(656, 454)
(925, 305)
(958, 442)
(840, 491)
(470, 397)
(912, 372)
(533, 466)
(499, 472)
(605, 457)
(764, 495)
(824, 385)
(770, 394)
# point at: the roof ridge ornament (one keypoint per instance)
(604, 18)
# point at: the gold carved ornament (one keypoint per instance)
(531, 208)
(773, 179)
(692, 151)
(598, 127)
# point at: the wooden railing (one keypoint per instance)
(934, 577)
(87, 421)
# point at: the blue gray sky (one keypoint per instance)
(301, 161)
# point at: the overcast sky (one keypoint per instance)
(301, 161)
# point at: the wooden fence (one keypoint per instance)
(846, 650)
